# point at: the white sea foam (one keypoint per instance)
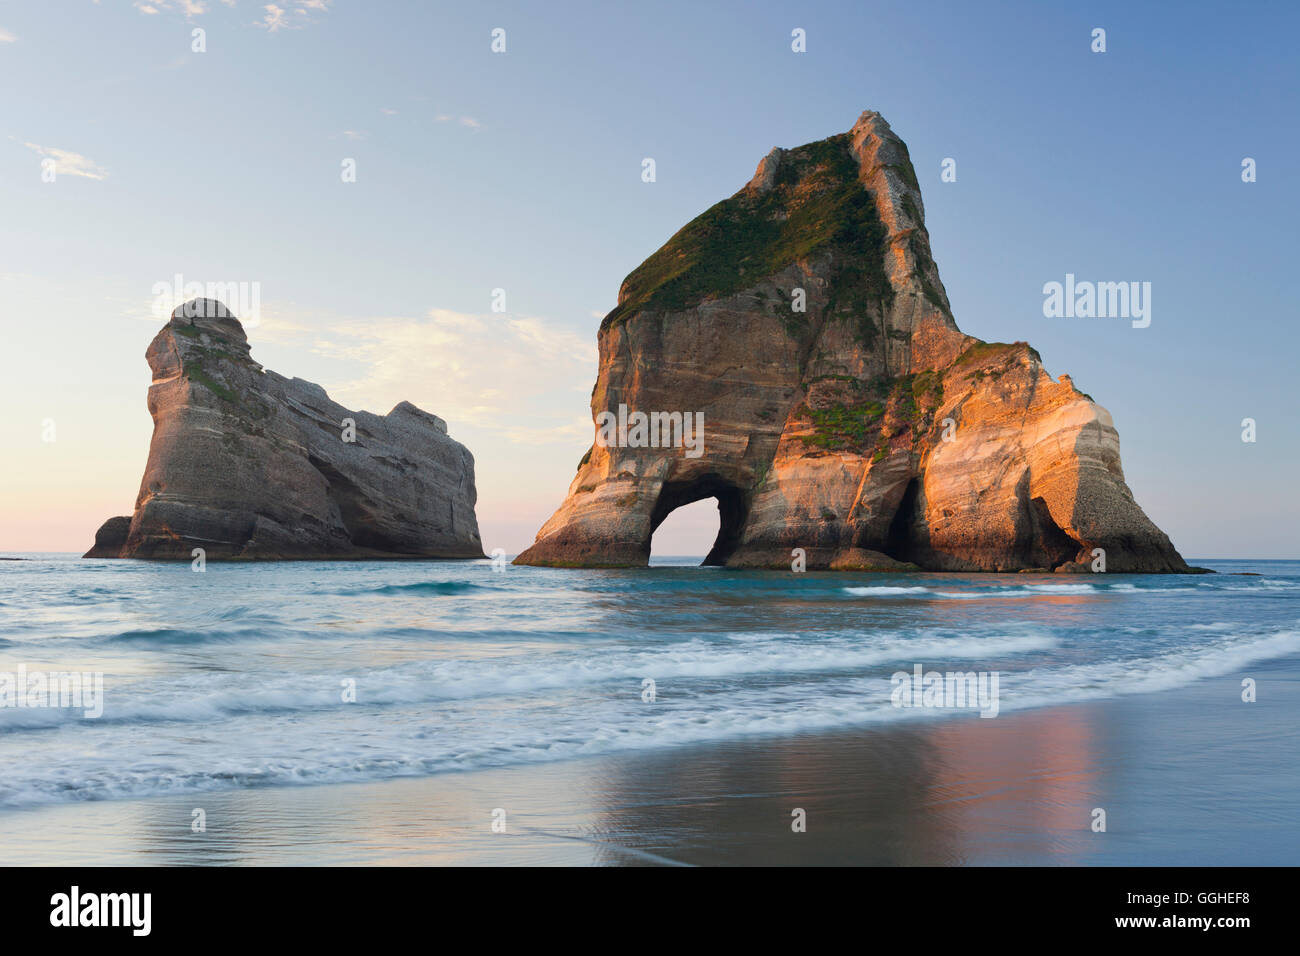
(1023, 591)
(251, 751)
(884, 591)
(196, 699)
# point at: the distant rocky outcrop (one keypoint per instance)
(247, 464)
(867, 429)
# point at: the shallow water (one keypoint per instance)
(234, 678)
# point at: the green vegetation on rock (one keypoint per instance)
(924, 265)
(986, 351)
(843, 426)
(927, 387)
(195, 373)
(195, 364)
(870, 414)
(816, 206)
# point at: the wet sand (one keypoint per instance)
(1187, 777)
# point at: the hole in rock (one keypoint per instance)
(899, 543)
(707, 517)
(687, 534)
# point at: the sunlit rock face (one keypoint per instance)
(247, 464)
(844, 412)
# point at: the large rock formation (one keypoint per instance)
(248, 464)
(865, 429)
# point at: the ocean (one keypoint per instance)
(456, 712)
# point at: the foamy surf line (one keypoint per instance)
(1146, 675)
(539, 732)
(1027, 591)
(432, 682)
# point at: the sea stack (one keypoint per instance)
(844, 413)
(250, 465)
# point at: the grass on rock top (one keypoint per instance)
(816, 204)
(982, 352)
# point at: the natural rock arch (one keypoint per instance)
(732, 511)
(865, 427)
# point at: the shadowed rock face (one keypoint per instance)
(250, 465)
(824, 429)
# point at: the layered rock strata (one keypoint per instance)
(844, 412)
(247, 464)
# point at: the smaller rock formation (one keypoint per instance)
(250, 465)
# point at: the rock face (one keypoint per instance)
(866, 429)
(250, 465)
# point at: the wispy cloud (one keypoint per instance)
(468, 122)
(278, 17)
(388, 111)
(190, 8)
(354, 134)
(510, 374)
(68, 163)
(7, 37)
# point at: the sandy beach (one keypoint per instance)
(1187, 777)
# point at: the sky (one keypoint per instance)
(521, 170)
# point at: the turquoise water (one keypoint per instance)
(235, 677)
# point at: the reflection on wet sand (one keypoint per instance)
(960, 791)
(965, 790)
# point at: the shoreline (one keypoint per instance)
(1017, 790)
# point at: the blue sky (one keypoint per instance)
(521, 171)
